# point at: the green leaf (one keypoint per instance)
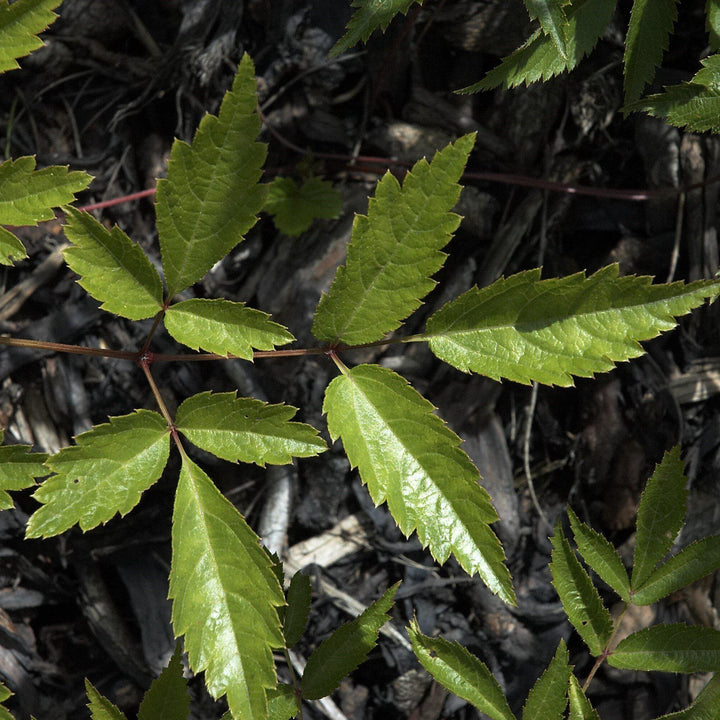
(712, 23)
(11, 249)
(660, 516)
(225, 595)
(100, 707)
(211, 196)
(579, 597)
(394, 250)
(580, 707)
(551, 14)
(690, 564)
(694, 105)
(224, 327)
(548, 697)
(651, 22)
(167, 698)
(27, 196)
(337, 656)
(112, 268)
(298, 608)
(283, 704)
(706, 705)
(369, 15)
(408, 457)
(20, 23)
(18, 469)
(669, 648)
(526, 329)
(539, 58)
(601, 556)
(294, 208)
(246, 430)
(461, 673)
(105, 473)
(5, 694)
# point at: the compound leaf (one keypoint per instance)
(369, 15)
(548, 697)
(694, 105)
(669, 648)
(706, 705)
(5, 693)
(298, 608)
(167, 698)
(526, 329)
(601, 556)
(105, 473)
(11, 249)
(539, 58)
(660, 516)
(579, 597)
(337, 656)
(283, 703)
(394, 250)
(408, 457)
(245, 429)
(20, 23)
(100, 707)
(294, 208)
(211, 196)
(551, 14)
(225, 595)
(18, 469)
(461, 673)
(224, 327)
(580, 707)
(651, 22)
(690, 564)
(112, 268)
(712, 23)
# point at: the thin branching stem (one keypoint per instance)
(606, 650)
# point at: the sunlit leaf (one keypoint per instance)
(167, 698)
(408, 457)
(579, 597)
(548, 697)
(105, 473)
(526, 329)
(669, 648)
(282, 702)
(18, 469)
(224, 327)
(100, 707)
(336, 657)
(112, 268)
(551, 14)
(461, 673)
(660, 516)
(580, 707)
(224, 594)
(394, 250)
(246, 430)
(11, 249)
(369, 15)
(211, 196)
(294, 207)
(20, 23)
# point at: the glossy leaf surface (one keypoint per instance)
(526, 329)
(112, 268)
(20, 23)
(461, 673)
(394, 250)
(660, 516)
(579, 597)
(410, 459)
(369, 15)
(548, 697)
(580, 707)
(601, 556)
(669, 648)
(294, 207)
(246, 430)
(105, 473)
(224, 327)
(551, 14)
(211, 196)
(336, 657)
(167, 698)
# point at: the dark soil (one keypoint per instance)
(116, 82)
